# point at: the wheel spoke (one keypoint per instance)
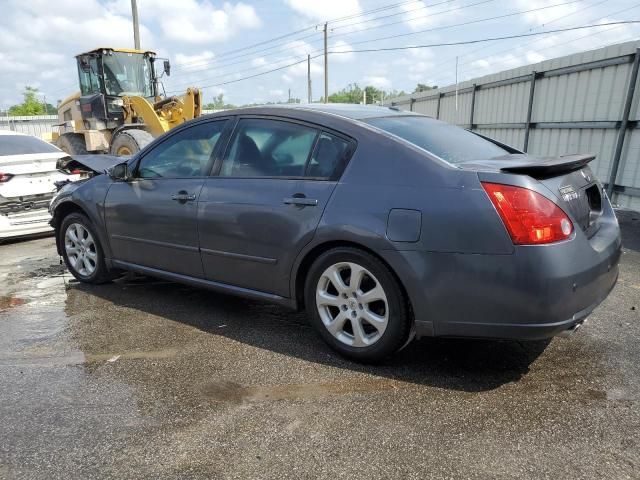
(359, 337)
(357, 274)
(71, 235)
(337, 324)
(326, 299)
(379, 322)
(336, 279)
(92, 255)
(71, 249)
(373, 295)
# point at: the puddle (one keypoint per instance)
(9, 301)
(226, 391)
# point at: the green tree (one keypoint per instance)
(219, 103)
(31, 105)
(421, 87)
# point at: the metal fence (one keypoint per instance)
(586, 103)
(37, 125)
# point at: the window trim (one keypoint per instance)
(171, 134)
(320, 129)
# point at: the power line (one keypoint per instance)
(432, 45)
(314, 26)
(470, 22)
(575, 39)
(412, 33)
(468, 42)
(438, 67)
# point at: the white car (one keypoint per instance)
(27, 175)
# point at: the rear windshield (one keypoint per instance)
(23, 144)
(450, 143)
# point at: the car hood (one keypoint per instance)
(94, 163)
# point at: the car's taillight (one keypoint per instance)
(5, 177)
(530, 218)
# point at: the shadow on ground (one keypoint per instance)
(458, 364)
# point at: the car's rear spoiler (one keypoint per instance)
(551, 166)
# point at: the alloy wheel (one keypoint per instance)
(352, 304)
(81, 249)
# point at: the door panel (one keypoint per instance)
(152, 222)
(249, 236)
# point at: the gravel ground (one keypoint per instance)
(148, 379)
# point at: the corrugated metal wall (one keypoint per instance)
(36, 125)
(577, 107)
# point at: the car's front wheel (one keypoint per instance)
(81, 249)
(357, 304)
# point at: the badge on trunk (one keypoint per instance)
(568, 193)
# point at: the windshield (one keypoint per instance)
(127, 74)
(453, 144)
(24, 144)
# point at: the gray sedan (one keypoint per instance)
(382, 224)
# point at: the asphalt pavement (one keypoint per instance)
(143, 378)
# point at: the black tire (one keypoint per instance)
(129, 142)
(101, 274)
(398, 329)
(72, 143)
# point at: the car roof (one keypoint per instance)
(345, 110)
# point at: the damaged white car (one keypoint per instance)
(28, 173)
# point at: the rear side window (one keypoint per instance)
(448, 142)
(269, 148)
(327, 156)
(24, 144)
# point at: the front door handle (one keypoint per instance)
(183, 196)
(301, 201)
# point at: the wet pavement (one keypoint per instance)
(148, 379)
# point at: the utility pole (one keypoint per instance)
(326, 68)
(289, 99)
(309, 78)
(136, 29)
(364, 97)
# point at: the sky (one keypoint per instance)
(216, 44)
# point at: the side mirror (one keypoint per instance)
(119, 171)
(167, 67)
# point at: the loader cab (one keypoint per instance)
(106, 75)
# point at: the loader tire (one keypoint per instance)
(130, 142)
(72, 143)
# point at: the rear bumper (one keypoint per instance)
(26, 223)
(535, 293)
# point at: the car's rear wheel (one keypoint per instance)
(81, 250)
(357, 304)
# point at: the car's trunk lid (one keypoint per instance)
(568, 177)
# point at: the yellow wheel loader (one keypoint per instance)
(119, 108)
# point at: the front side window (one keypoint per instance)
(453, 144)
(269, 148)
(186, 154)
(127, 74)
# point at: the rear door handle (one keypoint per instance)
(183, 196)
(301, 201)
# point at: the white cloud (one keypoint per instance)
(378, 82)
(341, 46)
(196, 61)
(258, 62)
(416, 15)
(193, 22)
(325, 10)
(276, 92)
